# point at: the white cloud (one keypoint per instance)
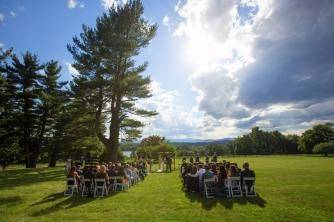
(262, 66)
(1, 45)
(12, 13)
(2, 17)
(109, 3)
(72, 4)
(71, 69)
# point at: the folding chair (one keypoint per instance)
(100, 185)
(115, 183)
(134, 178)
(249, 186)
(227, 188)
(209, 188)
(71, 187)
(86, 187)
(234, 187)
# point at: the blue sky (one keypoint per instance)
(219, 67)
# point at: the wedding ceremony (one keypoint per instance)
(166, 110)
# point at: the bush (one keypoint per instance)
(324, 148)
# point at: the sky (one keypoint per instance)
(218, 67)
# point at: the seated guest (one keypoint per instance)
(88, 172)
(192, 181)
(183, 168)
(208, 173)
(102, 173)
(233, 172)
(238, 169)
(222, 177)
(79, 170)
(214, 169)
(112, 172)
(247, 173)
(74, 174)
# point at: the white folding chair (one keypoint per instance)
(209, 188)
(100, 185)
(133, 178)
(249, 186)
(115, 184)
(71, 187)
(227, 188)
(86, 186)
(234, 186)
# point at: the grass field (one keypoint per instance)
(290, 188)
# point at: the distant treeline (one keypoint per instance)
(319, 139)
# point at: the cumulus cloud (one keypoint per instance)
(265, 63)
(72, 4)
(173, 121)
(1, 45)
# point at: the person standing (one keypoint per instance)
(191, 159)
(169, 163)
(197, 158)
(215, 157)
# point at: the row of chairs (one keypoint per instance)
(99, 187)
(232, 187)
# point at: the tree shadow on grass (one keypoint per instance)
(66, 203)
(24, 177)
(228, 203)
(10, 200)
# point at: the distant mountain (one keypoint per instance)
(199, 141)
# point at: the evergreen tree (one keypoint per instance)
(53, 98)
(23, 84)
(110, 83)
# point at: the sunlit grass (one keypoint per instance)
(291, 188)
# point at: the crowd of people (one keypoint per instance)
(194, 173)
(129, 171)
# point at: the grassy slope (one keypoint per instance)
(290, 189)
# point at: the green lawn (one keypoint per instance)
(290, 188)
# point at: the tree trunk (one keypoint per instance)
(52, 159)
(112, 151)
(112, 146)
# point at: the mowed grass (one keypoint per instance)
(290, 188)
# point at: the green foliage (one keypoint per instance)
(153, 140)
(318, 134)
(153, 151)
(109, 81)
(324, 148)
(262, 142)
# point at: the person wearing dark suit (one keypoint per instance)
(247, 172)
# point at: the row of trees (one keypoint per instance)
(42, 117)
(318, 139)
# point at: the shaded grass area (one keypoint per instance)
(291, 188)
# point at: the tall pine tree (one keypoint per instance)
(23, 79)
(110, 83)
(53, 98)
